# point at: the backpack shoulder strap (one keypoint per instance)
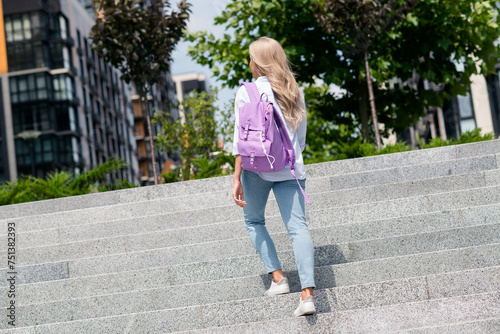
(252, 90)
(289, 149)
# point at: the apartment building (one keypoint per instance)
(61, 106)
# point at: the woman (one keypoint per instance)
(273, 76)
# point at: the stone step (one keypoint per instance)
(154, 310)
(470, 314)
(370, 211)
(215, 213)
(328, 276)
(61, 235)
(399, 166)
(178, 271)
(337, 234)
(488, 326)
(352, 231)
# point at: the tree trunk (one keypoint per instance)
(363, 111)
(151, 144)
(372, 102)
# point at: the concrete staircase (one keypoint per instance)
(404, 243)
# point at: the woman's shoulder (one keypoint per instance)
(242, 95)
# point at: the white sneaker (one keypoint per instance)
(279, 288)
(306, 307)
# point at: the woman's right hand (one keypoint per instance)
(238, 194)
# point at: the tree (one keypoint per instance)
(292, 23)
(139, 40)
(358, 24)
(196, 136)
(426, 46)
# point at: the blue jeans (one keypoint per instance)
(292, 208)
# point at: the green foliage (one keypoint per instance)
(172, 176)
(323, 136)
(221, 165)
(426, 45)
(195, 136)
(292, 23)
(138, 40)
(360, 148)
(61, 184)
(122, 184)
(471, 136)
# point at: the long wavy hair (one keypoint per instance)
(270, 60)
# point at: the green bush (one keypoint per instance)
(361, 148)
(61, 184)
(172, 176)
(471, 136)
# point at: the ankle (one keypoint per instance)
(277, 276)
(307, 292)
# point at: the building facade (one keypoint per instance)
(61, 106)
(186, 83)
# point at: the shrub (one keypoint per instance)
(471, 136)
(61, 184)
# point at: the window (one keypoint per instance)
(43, 150)
(63, 87)
(466, 113)
(60, 30)
(24, 27)
(65, 118)
(23, 56)
(82, 69)
(47, 150)
(31, 117)
(28, 88)
(60, 56)
(69, 149)
(78, 39)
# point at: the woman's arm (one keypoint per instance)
(237, 187)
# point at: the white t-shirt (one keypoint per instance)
(297, 136)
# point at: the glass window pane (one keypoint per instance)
(42, 94)
(69, 88)
(56, 84)
(31, 82)
(27, 26)
(465, 106)
(46, 145)
(66, 59)
(40, 81)
(23, 97)
(23, 85)
(35, 20)
(467, 125)
(17, 29)
(8, 29)
(62, 23)
(39, 59)
(13, 85)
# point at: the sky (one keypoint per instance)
(202, 18)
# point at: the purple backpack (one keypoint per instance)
(264, 144)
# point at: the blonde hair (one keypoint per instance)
(270, 60)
